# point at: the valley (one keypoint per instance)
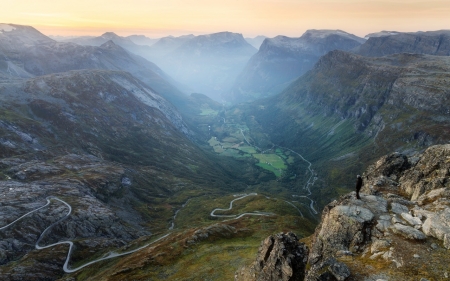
(112, 169)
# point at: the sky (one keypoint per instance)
(155, 18)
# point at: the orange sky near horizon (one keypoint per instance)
(249, 17)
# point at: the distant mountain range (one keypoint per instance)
(27, 53)
(388, 42)
(208, 64)
(205, 64)
(142, 40)
(282, 59)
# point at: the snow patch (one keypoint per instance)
(6, 27)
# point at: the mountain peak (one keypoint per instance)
(110, 45)
(16, 36)
(109, 35)
(324, 33)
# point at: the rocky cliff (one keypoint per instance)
(399, 230)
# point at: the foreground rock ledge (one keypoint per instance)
(401, 223)
(280, 257)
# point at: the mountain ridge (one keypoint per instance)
(281, 59)
(430, 42)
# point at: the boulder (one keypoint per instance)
(280, 258)
(399, 208)
(438, 226)
(431, 172)
(339, 270)
(408, 232)
(414, 221)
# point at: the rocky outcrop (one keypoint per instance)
(403, 215)
(280, 258)
(430, 173)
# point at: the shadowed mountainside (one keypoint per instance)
(25, 54)
(350, 109)
(282, 59)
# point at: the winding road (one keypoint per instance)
(70, 243)
(256, 213)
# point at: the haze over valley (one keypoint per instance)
(217, 156)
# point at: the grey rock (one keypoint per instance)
(383, 225)
(399, 208)
(430, 173)
(438, 226)
(396, 219)
(280, 257)
(339, 270)
(408, 232)
(411, 220)
(433, 195)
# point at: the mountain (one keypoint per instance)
(166, 45)
(381, 33)
(399, 230)
(282, 59)
(66, 96)
(256, 41)
(385, 43)
(350, 109)
(15, 37)
(110, 156)
(124, 42)
(142, 40)
(42, 55)
(208, 64)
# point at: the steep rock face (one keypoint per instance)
(435, 43)
(280, 257)
(431, 172)
(392, 221)
(282, 59)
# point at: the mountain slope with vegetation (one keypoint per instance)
(349, 110)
